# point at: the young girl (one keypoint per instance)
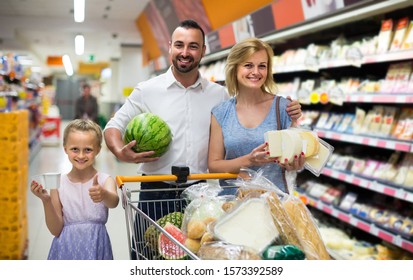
(76, 212)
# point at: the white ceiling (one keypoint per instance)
(41, 28)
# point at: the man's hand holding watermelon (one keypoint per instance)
(125, 152)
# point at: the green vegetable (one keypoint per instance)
(283, 252)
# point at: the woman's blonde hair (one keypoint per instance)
(240, 53)
(83, 125)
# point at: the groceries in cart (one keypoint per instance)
(152, 235)
(260, 222)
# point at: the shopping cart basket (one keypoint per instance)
(138, 222)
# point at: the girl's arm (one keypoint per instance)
(53, 213)
(52, 207)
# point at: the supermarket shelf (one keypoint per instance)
(370, 228)
(369, 184)
(379, 97)
(315, 65)
(383, 143)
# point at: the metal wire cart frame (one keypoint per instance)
(143, 231)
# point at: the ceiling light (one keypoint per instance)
(106, 73)
(79, 44)
(79, 7)
(68, 65)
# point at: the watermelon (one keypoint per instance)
(150, 132)
(168, 249)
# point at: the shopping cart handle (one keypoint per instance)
(121, 180)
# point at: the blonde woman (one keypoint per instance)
(238, 124)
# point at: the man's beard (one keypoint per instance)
(187, 68)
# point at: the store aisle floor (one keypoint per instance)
(53, 159)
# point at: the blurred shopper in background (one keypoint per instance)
(86, 106)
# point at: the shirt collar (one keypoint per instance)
(170, 80)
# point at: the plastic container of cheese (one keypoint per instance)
(287, 143)
(250, 224)
(316, 163)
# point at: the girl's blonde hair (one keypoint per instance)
(83, 125)
(240, 53)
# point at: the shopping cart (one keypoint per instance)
(138, 222)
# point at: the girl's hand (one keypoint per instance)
(96, 192)
(38, 190)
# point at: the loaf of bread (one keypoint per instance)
(282, 221)
(308, 234)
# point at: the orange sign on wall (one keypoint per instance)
(287, 12)
(226, 36)
(54, 61)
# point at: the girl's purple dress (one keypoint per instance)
(84, 235)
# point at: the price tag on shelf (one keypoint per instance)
(373, 142)
(398, 240)
(376, 187)
(355, 180)
(374, 230)
(409, 196)
(400, 193)
(364, 183)
(319, 205)
(349, 178)
(353, 221)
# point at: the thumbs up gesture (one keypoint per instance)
(96, 192)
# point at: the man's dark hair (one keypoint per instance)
(189, 23)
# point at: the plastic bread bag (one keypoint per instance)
(305, 226)
(224, 251)
(252, 183)
(281, 219)
(204, 207)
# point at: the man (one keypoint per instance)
(86, 106)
